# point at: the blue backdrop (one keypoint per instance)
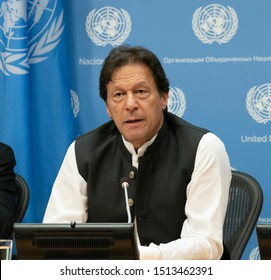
(217, 56)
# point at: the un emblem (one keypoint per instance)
(176, 102)
(255, 254)
(258, 103)
(215, 23)
(108, 25)
(75, 103)
(29, 30)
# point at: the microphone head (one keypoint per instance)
(124, 181)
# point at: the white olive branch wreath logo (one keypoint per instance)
(113, 42)
(251, 110)
(6, 63)
(204, 39)
(75, 104)
(18, 63)
(181, 102)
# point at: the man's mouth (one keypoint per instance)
(133, 121)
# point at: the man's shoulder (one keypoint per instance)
(181, 124)
(104, 130)
(105, 133)
(6, 153)
(5, 147)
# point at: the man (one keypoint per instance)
(179, 174)
(8, 189)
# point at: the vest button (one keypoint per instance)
(131, 175)
(131, 202)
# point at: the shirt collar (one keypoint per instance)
(140, 152)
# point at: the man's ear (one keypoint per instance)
(165, 100)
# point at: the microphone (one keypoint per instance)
(124, 184)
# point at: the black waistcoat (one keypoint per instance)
(158, 187)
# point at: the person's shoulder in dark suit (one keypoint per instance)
(8, 189)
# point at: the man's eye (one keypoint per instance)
(118, 94)
(142, 93)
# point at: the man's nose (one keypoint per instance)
(131, 101)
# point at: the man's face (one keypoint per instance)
(134, 103)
